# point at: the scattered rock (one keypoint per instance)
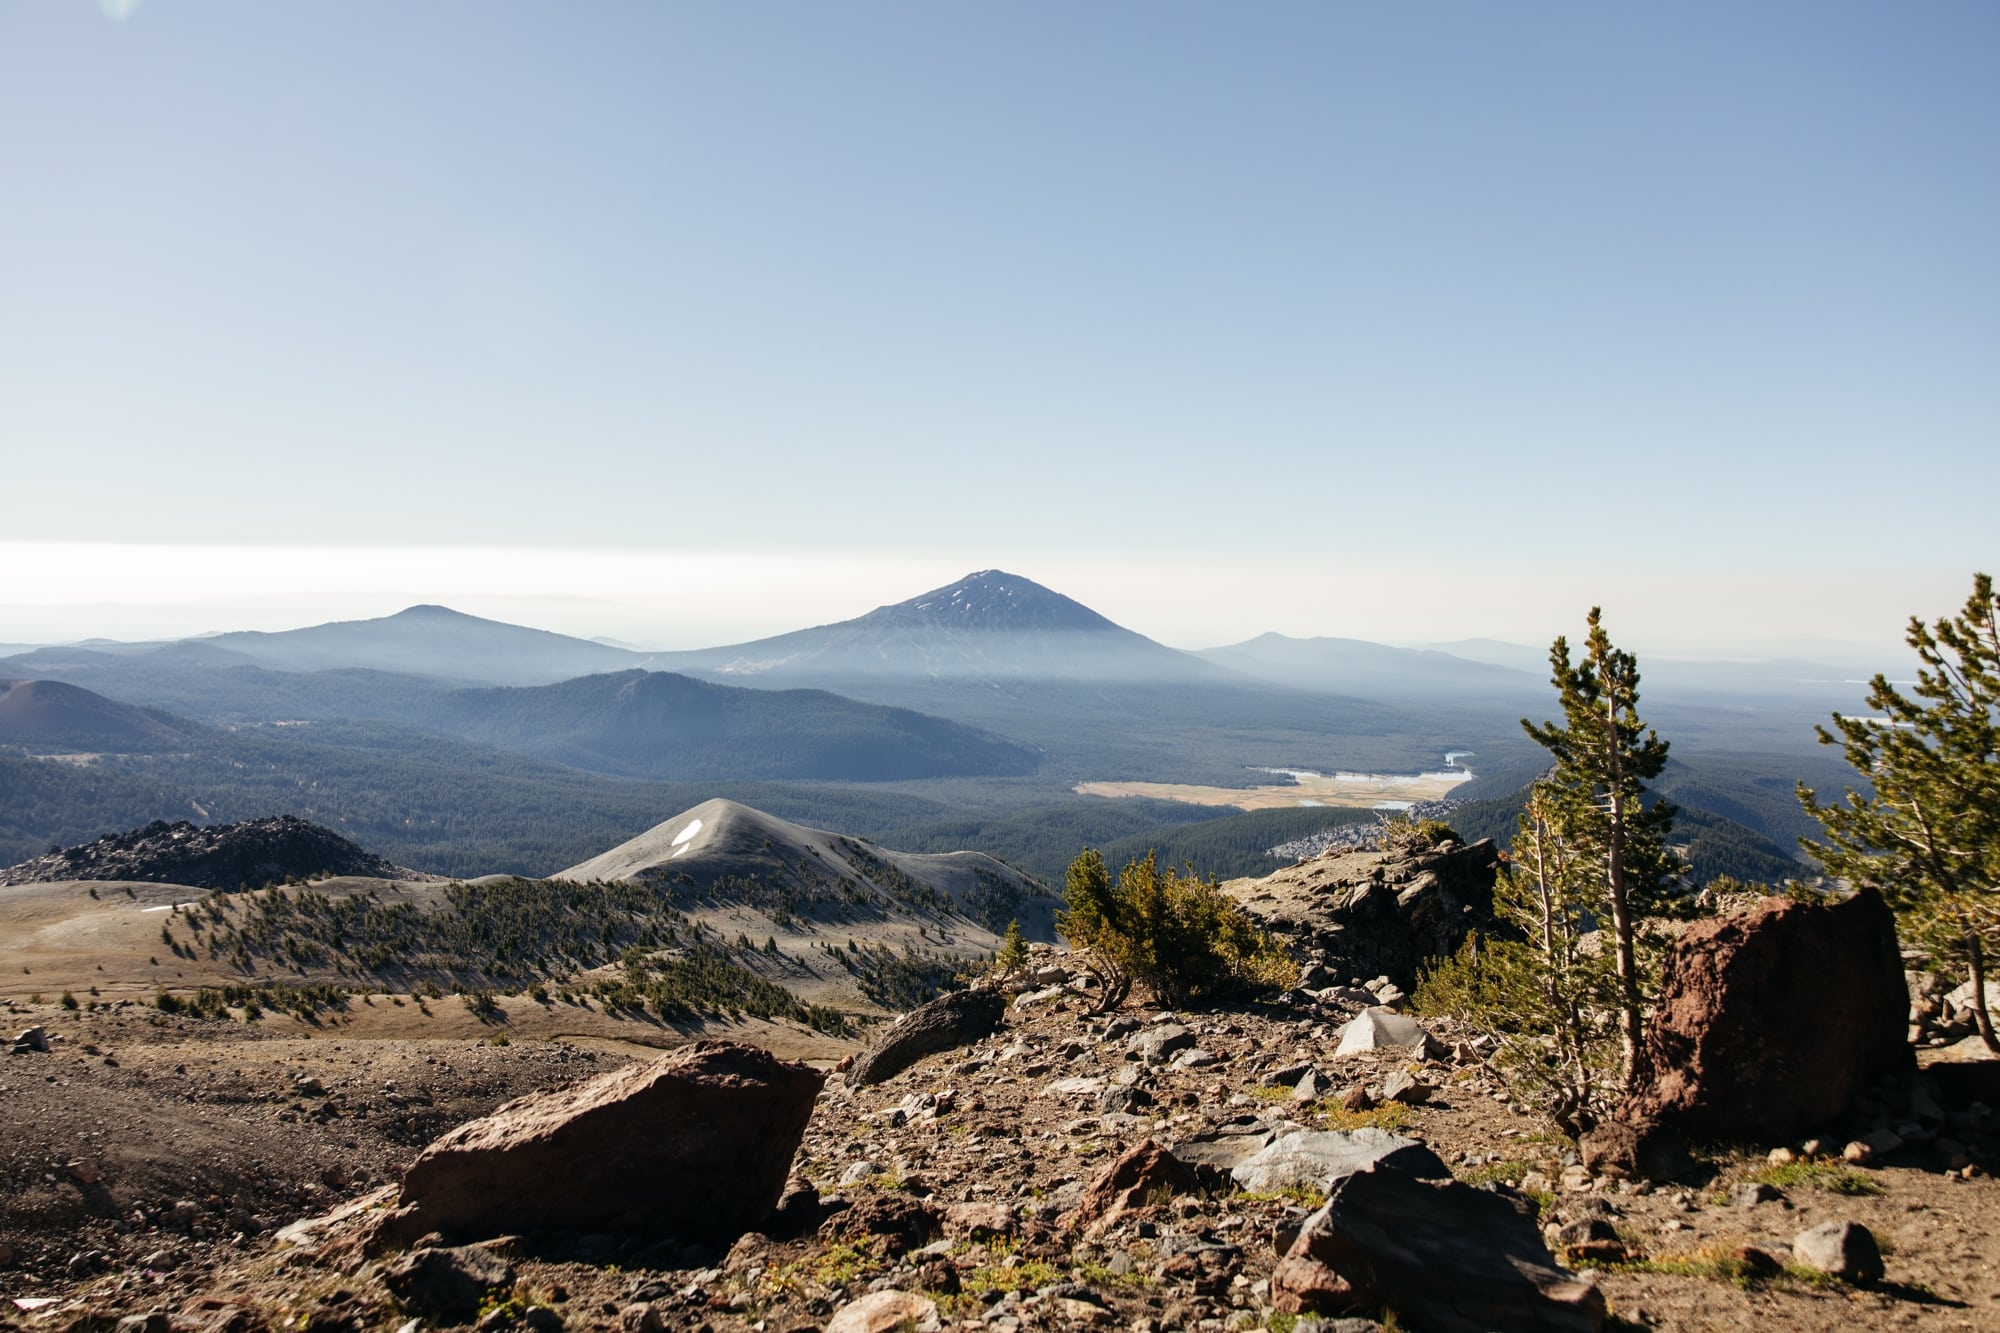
(445, 1282)
(946, 1023)
(1379, 912)
(1445, 1256)
(981, 1221)
(1845, 1249)
(1403, 1086)
(1753, 1192)
(884, 1312)
(1143, 1173)
(34, 1039)
(641, 1317)
(1217, 1152)
(696, 1145)
(860, 1171)
(1158, 1044)
(901, 1222)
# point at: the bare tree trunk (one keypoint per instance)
(1977, 956)
(1630, 1030)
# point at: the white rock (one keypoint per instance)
(1376, 1029)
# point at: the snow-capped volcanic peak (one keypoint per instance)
(993, 599)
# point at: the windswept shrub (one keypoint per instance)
(1177, 935)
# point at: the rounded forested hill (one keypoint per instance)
(220, 856)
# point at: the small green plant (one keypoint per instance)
(1305, 1196)
(68, 1001)
(1408, 835)
(1718, 1263)
(1812, 1173)
(1495, 1173)
(1389, 1115)
(508, 1305)
(1025, 1275)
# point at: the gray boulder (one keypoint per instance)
(1314, 1159)
(1161, 1042)
(946, 1023)
(1845, 1249)
(1377, 1029)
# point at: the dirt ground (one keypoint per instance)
(148, 1161)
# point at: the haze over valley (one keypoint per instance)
(991, 714)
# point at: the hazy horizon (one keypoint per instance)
(671, 600)
(685, 324)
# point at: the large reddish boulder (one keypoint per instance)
(1769, 1021)
(694, 1145)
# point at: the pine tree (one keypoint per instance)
(1928, 838)
(1604, 756)
(1013, 953)
(1549, 1001)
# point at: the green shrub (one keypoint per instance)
(1178, 935)
(1416, 835)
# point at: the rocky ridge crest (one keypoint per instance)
(249, 854)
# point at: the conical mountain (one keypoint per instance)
(989, 625)
(721, 853)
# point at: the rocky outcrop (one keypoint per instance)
(1769, 1021)
(1386, 913)
(1445, 1256)
(695, 1146)
(251, 854)
(946, 1023)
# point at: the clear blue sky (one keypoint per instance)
(1479, 289)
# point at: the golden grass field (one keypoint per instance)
(1353, 790)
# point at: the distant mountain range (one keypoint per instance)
(1372, 670)
(655, 724)
(1007, 690)
(431, 641)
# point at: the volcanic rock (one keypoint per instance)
(1384, 913)
(449, 1283)
(1444, 1255)
(695, 1145)
(1769, 1021)
(946, 1023)
(1144, 1171)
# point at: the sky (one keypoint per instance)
(683, 323)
